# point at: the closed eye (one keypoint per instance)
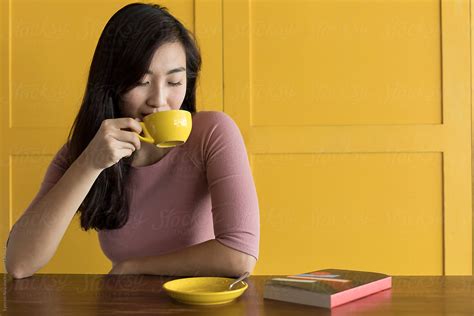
(170, 83)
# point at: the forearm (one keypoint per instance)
(210, 258)
(38, 232)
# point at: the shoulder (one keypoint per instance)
(57, 166)
(61, 158)
(207, 123)
(212, 132)
(62, 152)
(212, 118)
(211, 125)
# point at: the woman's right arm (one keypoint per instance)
(36, 235)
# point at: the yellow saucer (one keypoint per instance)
(204, 290)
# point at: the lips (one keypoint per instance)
(145, 114)
(155, 111)
(142, 116)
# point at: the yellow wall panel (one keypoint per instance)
(377, 211)
(345, 62)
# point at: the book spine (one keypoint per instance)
(360, 291)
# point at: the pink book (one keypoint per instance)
(326, 288)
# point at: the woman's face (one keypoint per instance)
(163, 87)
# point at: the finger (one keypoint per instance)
(125, 153)
(127, 123)
(126, 136)
(119, 144)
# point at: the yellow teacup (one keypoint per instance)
(166, 129)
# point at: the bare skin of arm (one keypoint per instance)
(36, 235)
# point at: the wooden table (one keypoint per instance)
(77, 294)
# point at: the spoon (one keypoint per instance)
(242, 277)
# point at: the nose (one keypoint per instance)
(157, 100)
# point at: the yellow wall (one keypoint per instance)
(356, 118)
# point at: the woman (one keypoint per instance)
(189, 210)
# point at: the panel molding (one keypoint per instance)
(208, 31)
(455, 26)
(5, 95)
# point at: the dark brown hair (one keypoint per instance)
(121, 58)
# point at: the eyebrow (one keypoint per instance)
(179, 69)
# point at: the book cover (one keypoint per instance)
(326, 288)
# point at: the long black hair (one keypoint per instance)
(120, 60)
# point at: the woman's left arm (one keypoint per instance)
(235, 212)
(209, 258)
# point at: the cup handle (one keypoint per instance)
(147, 138)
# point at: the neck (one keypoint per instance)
(148, 154)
